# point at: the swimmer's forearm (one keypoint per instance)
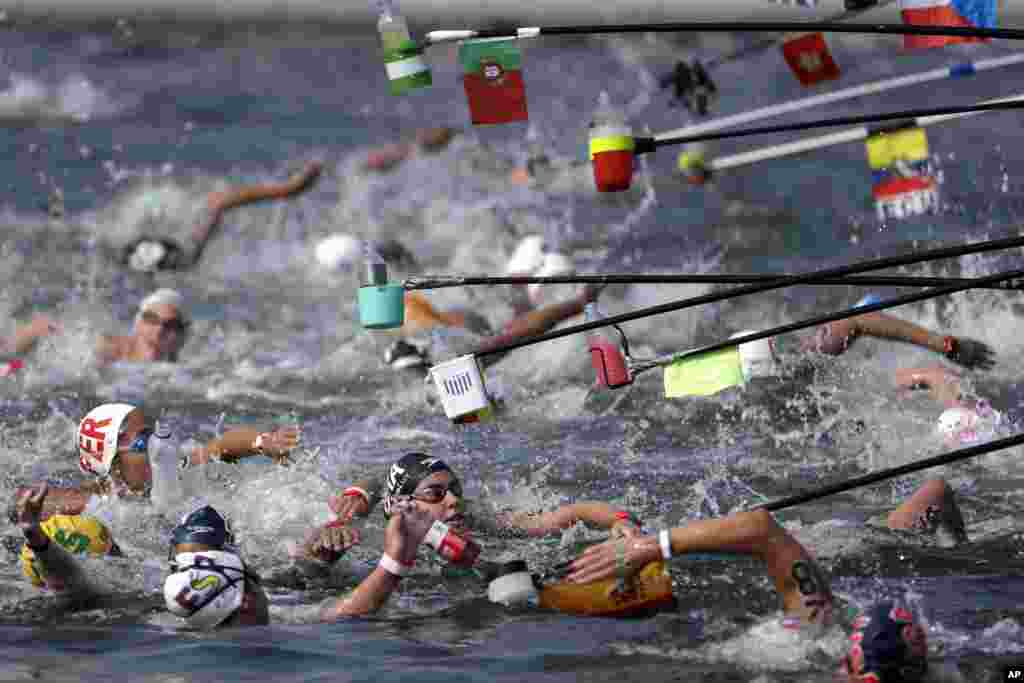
(887, 327)
(58, 563)
(595, 514)
(234, 444)
(368, 597)
(749, 533)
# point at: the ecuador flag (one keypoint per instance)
(901, 176)
(977, 13)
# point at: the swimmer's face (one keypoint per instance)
(440, 496)
(161, 329)
(131, 466)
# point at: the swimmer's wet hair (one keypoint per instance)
(165, 296)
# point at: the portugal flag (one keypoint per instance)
(808, 56)
(493, 78)
(965, 13)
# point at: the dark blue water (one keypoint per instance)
(126, 136)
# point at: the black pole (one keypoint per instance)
(864, 266)
(910, 115)
(768, 26)
(442, 281)
(874, 477)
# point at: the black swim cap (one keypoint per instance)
(888, 646)
(205, 526)
(406, 474)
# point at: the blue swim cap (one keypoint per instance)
(205, 526)
(888, 646)
(867, 300)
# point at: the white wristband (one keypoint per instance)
(393, 566)
(666, 544)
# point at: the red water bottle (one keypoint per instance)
(605, 356)
(455, 549)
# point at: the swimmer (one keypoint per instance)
(210, 586)
(159, 333)
(385, 158)
(420, 485)
(46, 554)
(835, 338)
(888, 647)
(112, 441)
(470, 332)
(152, 253)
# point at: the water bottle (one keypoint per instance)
(403, 58)
(605, 356)
(462, 552)
(612, 148)
(162, 451)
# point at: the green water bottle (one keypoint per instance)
(403, 58)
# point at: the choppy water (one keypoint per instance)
(133, 133)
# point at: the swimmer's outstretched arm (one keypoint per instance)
(834, 338)
(220, 202)
(26, 336)
(799, 582)
(57, 564)
(246, 442)
(358, 499)
(593, 514)
(403, 535)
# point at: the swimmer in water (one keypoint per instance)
(160, 331)
(888, 646)
(466, 331)
(46, 554)
(112, 441)
(426, 490)
(150, 253)
(835, 338)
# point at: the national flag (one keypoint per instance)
(493, 78)
(808, 56)
(406, 67)
(964, 13)
(901, 174)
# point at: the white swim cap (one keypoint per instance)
(555, 263)
(97, 437)
(207, 587)
(528, 256)
(339, 251)
(165, 296)
(969, 425)
(757, 358)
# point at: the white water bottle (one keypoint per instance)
(163, 461)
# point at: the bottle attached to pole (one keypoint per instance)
(162, 451)
(462, 552)
(607, 359)
(403, 58)
(612, 148)
(381, 303)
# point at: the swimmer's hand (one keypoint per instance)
(278, 444)
(29, 508)
(405, 531)
(618, 557)
(328, 543)
(970, 353)
(347, 507)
